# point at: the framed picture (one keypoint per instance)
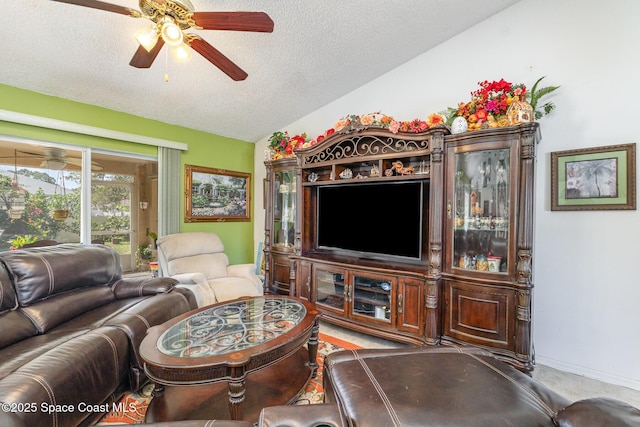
(216, 195)
(594, 178)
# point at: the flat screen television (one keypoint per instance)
(372, 220)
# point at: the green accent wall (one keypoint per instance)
(205, 149)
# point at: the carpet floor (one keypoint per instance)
(140, 400)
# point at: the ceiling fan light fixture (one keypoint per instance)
(181, 53)
(147, 38)
(171, 33)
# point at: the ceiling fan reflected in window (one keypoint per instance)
(52, 158)
(170, 18)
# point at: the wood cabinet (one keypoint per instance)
(489, 241)
(370, 231)
(362, 298)
(424, 238)
(280, 225)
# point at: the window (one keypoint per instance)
(41, 196)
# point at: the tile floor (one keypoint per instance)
(572, 386)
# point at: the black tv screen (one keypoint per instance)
(372, 219)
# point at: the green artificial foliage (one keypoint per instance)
(533, 98)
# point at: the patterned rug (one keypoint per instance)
(140, 400)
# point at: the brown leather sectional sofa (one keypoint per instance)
(70, 329)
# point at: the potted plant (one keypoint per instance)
(20, 241)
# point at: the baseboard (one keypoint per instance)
(589, 373)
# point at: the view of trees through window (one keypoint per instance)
(38, 203)
(39, 211)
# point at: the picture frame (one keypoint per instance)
(598, 178)
(216, 195)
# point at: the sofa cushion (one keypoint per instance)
(40, 273)
(436, 387)
(88, 368)
(212, 266)
(188, 244)
(25, 351)
(15, 327)
(599, 412)
(51, 312)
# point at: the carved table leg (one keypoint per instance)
(313, 348)
(237, 391)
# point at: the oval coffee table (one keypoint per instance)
(250, 348)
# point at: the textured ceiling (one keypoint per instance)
(319, 51)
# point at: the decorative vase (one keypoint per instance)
(459, 125)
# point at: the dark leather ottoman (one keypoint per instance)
(436, 386)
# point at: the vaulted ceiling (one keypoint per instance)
(318, 51)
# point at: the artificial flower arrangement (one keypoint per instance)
(490, 103)
(487, 108)
(281, 145)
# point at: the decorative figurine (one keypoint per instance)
(397, 168)
(346, 174)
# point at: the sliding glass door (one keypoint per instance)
(42, 194)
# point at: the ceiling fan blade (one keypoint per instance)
(216, 57)
(235, 21)
(109, 7)
(78, 162)
(144, 59)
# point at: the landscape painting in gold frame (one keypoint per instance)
(599, 178)
(216, 195)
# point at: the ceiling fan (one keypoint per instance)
(171, 17)
(52, 158)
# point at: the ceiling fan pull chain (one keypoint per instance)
(166, 66)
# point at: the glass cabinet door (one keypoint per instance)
(330, 290)
(371, 297)
(284, 209)
(481, 211)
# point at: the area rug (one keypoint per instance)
(136, 403)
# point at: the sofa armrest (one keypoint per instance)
(321, 415)
(131, 287)
(248, 271)
(598, 412)
(198, 285)
(190, 278)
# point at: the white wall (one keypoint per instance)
(587, 294)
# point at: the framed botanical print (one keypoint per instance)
(596, 178)
(216, 195)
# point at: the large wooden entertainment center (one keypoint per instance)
(431, 240)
